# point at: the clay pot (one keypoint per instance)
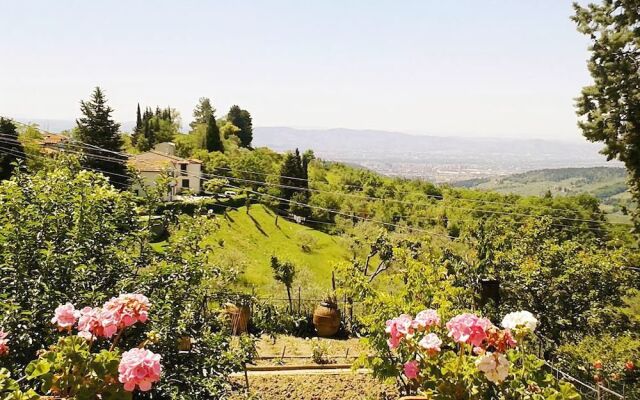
(239, 316)
(326, 319)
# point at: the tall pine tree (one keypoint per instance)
(97, 128)
(12, 150)
(242, 119)
(212, 137)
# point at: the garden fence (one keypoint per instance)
(588, 391)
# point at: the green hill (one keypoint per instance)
(608, 184)
(247, 242)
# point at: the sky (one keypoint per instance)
(449, 68)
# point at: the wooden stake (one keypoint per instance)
(246, 377)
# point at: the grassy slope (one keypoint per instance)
(250, 240)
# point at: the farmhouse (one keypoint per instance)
(186, 173)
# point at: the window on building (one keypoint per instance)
(185, 183)
(183, 169)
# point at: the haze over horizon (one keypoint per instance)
(493, 69)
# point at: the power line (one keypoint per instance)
(349, 195)
(124, 186)
(109, 159)
(437, 197)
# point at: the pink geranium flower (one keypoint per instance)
(431, 343)
(468, 328)
(426, 319)
(97, 322)
(397, 329)
(66, 316)
(411, 369)
(139, 367)
(128, 309)
(4, 343)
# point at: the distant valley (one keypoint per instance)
(433, 158)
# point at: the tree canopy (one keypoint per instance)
(241, 119)
(11, 150)
(610, 107)
(97, 128)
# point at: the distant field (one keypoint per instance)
(249, 241)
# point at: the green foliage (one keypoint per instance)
(604, 359)
(11, 151)
(270, 319)
(292, 175)
(96, 127)
(70, 370)
(153, 128)
(212, 136)
(65, 235)
(178, 283)
(242, 120)
(610, 106)
(10, 390)
(202, 112)
(284, 272)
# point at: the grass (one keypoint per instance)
(247, 242)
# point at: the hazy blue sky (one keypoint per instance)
(472, 68)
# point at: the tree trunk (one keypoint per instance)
(290, 302)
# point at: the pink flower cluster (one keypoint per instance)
(139, 367)
(487, 342)
(116, 314)
(468, 328)
(406, 326)
(66, 316)
(129, 308)
(4, 343)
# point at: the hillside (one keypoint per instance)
(608, 184)
(247, 241)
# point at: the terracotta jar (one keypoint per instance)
(326, 319)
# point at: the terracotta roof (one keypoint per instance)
(153, 161)
(53, 138)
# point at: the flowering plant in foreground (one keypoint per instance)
(468, 357)
(86, 362)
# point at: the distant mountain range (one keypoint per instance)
(436, 158)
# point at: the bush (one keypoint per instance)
(66, 236)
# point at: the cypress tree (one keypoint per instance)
(138, 119)
(135, 138)
(212, 140)
(98, 128)
(14, 149)
(292, 176)
(242, 119)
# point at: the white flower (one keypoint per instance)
(520, 319)
(495, 366)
